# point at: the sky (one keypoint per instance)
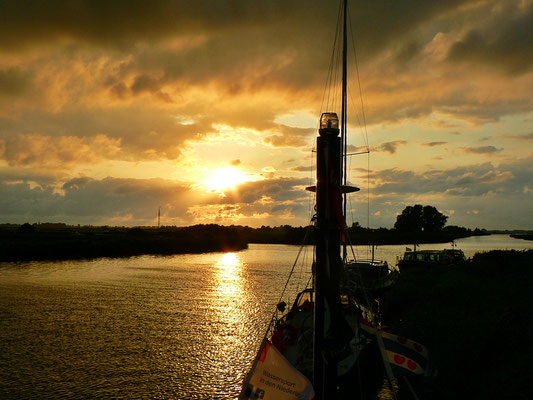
(209, 110)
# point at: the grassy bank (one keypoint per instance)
(476, 321)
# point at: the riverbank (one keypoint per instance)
(525, 237)
(475, 320)
(55, 241)
(93, 242)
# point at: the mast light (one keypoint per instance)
(329, 120)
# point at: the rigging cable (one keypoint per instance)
(364, 127)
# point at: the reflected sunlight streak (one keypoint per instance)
(230, 308)
(229, 274)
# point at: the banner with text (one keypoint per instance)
(273, 377)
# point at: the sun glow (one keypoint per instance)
(225, 178)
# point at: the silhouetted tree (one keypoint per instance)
(26, 228)
(410, 220)
(432, 219)
(420, 218)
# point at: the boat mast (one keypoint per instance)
(328, 262)
(331, 158)
(344, 120)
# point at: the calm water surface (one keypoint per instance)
(181, 327)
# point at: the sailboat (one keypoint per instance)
(329, 338)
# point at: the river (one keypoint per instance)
(180, 327)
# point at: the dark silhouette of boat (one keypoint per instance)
(413, 259)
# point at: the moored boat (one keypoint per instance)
(369, 278)
(428, 258)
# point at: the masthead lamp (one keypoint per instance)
(329, 124)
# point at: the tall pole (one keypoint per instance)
(328, 241)
(158, 217)
(344, 117)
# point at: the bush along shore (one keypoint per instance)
(476, 321)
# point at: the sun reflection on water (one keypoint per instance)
(229, 276)
(230, 309)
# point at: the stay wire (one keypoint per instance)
(289, 278)
(358, 78)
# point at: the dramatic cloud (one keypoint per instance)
(505, 41)
(136, 200)
(488, 188)
(145, 100)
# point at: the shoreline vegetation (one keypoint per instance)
(58, 241)
(524, 236)
(473, 319)
(64, 242)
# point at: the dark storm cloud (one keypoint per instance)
(146, 83)
(114, 196)
(21, 200)
(303, 168)
(505, 42)
(433, 144)
(276, 48)
(41, 177)
(125, 21)
(390, 147)
(482, 150)
(117, 22)
(86, 198)
(13, 81)
(203, 42)
(527, 136)
(500, 195)
(472, 180)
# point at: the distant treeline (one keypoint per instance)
(60, 241)
(286, 234)
(524, 236)
(360, 235)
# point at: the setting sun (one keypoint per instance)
(225, 178)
